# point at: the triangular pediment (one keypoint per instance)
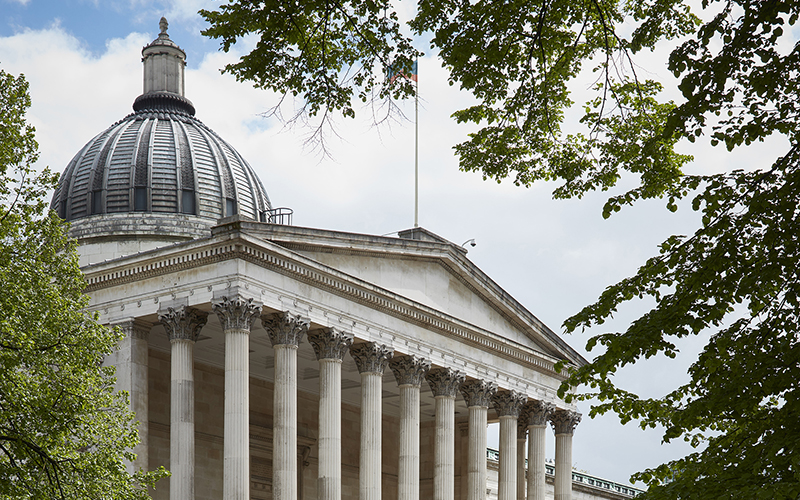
(428, 270)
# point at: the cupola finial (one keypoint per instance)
(163, 25)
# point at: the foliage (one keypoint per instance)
(735, 279)
(64, 432)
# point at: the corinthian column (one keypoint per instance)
(564, 423)
(508, 405)
(478, 395)
(536, 415)
(183, 325)
(444, 383)
(236, 315)
(285, 331)
(330, 345)
(522, 432)
(409, 371)
(371, 360)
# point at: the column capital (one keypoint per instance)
(409, 370)
(564, 421)
(522, 424)
(478, 392)
(330, 343)
(236, 313)
(537, 412)
(285, 328)
(135, 328)
(183, 322)
(445, 381)
(509, 403)
(371, 357)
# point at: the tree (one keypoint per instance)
(64, 432)
(735, 279)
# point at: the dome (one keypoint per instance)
(159, 160)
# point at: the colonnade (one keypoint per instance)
(518, 415)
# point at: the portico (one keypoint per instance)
(293, 353)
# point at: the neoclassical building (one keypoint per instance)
(265, 360)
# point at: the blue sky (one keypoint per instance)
(82, 59)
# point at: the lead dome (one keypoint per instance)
(159, 173)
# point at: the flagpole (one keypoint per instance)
(416, 150)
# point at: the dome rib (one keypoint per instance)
(159, 160)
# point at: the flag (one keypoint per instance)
(393, 75)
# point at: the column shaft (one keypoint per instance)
(563, 486)
(236, 315)
(564, 422)
(284, 454)
(330, 429)
(370, 461)
(520, 466)
(508, 405)
(181, 435)
(236, 447)
(478, 394)
(507, 478)
(444, 449)
(408, 467)
(536, 458)
(286, 331)
(476, 467)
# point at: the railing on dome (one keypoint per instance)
(280, 215)
(577, 477)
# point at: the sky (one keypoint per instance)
(82, 59)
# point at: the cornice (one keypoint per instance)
(268, 255)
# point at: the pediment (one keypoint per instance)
(430, 271)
